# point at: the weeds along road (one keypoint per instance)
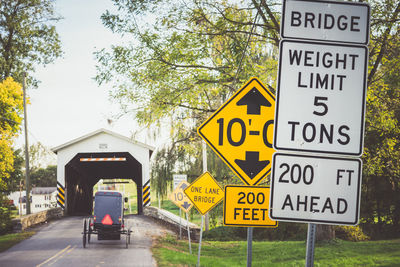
(59, 243)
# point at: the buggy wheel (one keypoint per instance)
(84, 233)
(126, 240)
(89, 230)
(129, 236)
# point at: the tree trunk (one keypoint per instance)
(325, 232)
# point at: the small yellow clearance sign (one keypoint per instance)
(247, 206)
(205, 193)
(179, 197)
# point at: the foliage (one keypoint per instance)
(285, 232)
(5, 215)
(350, 233)
(44, 177)
(16, 175)
(188, 57)
(380, 211)
(10, 118)
(40, 157)
(27, 37)
(187, 60)
(161, 174)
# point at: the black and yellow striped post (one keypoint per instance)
(146, 194)
(61, 195)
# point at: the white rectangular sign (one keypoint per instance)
(315, 189)
(320, 102)
(177, 178)
(326, 21)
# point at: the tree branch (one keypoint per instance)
(185, 106)
(384, 43)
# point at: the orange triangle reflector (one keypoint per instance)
(107, 220)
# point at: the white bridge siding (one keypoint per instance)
(102, 141)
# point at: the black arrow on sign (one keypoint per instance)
(186, 205)
(254, 100)
(183, 186)
(251, 165)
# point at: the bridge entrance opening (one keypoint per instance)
(125, 186)
(86, 169)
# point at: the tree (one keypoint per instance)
(190, 58)
(17, 175)
(40, 157)
(188, 63)
(381, 175)
(11, 107)
(27, 37)
(44, 177)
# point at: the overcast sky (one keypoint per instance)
(68, 102)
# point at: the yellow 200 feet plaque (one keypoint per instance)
(247, 206)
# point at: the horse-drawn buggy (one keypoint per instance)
(108, 221)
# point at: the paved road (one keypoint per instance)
(59, 243)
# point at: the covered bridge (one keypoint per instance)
(102, 154)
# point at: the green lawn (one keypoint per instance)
(9, 240)
(170, 252)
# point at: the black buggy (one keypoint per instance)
(107, 221)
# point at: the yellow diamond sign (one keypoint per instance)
(179, 197)
(241, 132)
(205, 193)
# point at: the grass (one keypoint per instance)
(9, 240)
(170, 252)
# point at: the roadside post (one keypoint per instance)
(240, 133)
(177, 178)
(188, 232)
(320, 110)
(247, 206)
(179, 198)
(205, 193)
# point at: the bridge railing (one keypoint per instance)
(172, 221)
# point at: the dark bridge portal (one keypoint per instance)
(81, 176)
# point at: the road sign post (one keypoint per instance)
(311, 234)
(320, 110)
(247, 206)
(205, 193)
(241, 130)
(188, 232)
(179, 198)
(249, 246)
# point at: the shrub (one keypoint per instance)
(5, 215)
(284, 231)
(350, 233)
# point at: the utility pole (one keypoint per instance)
(27, 182)
(20, 198)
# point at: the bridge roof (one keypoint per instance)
(99, 131)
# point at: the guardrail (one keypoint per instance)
(20, 224)
(172, 221)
